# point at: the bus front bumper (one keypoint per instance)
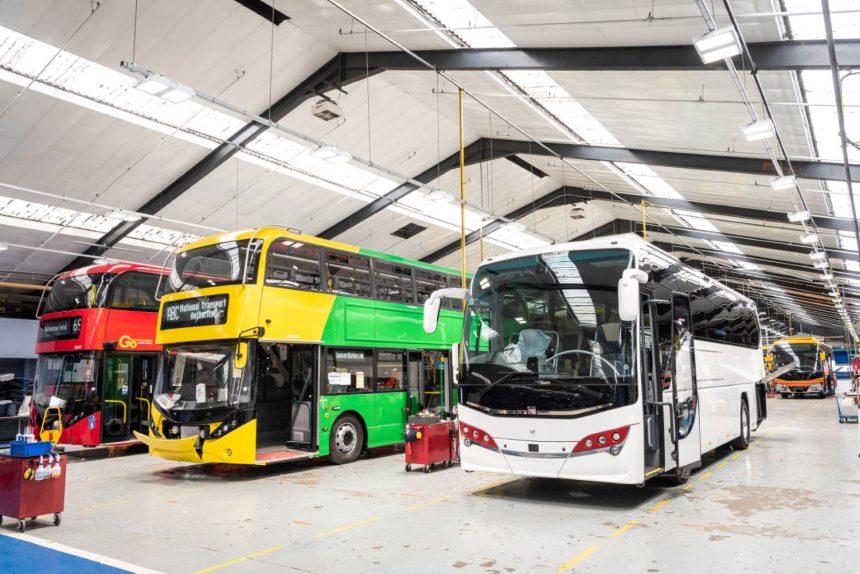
(180, 450)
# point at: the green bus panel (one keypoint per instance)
(354, 322)
(385, 411)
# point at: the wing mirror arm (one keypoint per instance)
(434, 304)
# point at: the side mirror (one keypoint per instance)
(628, 293)
(434, 303)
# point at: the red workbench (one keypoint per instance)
(432, 442)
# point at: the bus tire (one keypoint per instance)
(783, 395)
(346, 440)
(743, 440)
(680, 476)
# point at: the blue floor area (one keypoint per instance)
(19, 556)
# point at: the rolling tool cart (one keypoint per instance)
(32, 482)
(430, 441)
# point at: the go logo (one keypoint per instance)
(126, 342)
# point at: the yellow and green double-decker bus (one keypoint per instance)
(280, 346)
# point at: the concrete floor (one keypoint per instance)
(789, 504)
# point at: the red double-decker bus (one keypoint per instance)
(97, 355)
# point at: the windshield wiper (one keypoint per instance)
(501, 380)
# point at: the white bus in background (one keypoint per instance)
(605, 360)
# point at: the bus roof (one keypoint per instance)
(272, 232)
(110, 268)
(629, 241)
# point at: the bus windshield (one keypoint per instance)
(66, 380)
(212, 265)
(202, 382)
(543, 336)
(805, 355)
(83, 291)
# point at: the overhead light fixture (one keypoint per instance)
(440, 196)
(331, 154)
(4, 246)
(123, 214)
(784, 182)
(817, 255)
(760, 130)
(799, 216)
(820, 265)
(100, 261)
(809, 238)
(718, 44)
(165, 88)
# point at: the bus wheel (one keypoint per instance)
(346, 440)
(743, 440)
(680, 477)
(784, 395)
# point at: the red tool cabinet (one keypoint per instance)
(432, 443)
(22, 497)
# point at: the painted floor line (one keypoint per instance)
(430, 503)
(659, 505)
(704, 476)
(346, 527)
(722, 465)
(242, 559)
(109, 504)
(619, 531)
(578, 558)
(106, 560)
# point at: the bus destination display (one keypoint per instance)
(195, 312)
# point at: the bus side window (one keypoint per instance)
(294, 264)
(349, 371)
(348, 274)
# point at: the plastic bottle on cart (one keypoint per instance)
(56, 469)
(41, 471)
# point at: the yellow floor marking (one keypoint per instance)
(578, 558)
(426, 504)
(302, 522)
(722, 465)
(412, 494)
(660, 505)
(619, 531)
(736, 456)
(704, 476)
(487, 485)
(109, 504)
(346, 527)
(242, 559)
(687, 487)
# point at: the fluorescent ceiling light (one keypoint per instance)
(809, 238)
(759, 130)
(799, 216)
(784, 182)
(331, 154)
(827, 276)
(820, 265)
(4, 246)
(153, 85)
(817, 255)
(719, 44)
(165, 88)
(123, 215)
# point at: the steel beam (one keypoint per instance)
(788, 55)
(331, 74)
(571, 195)
(696, 161)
